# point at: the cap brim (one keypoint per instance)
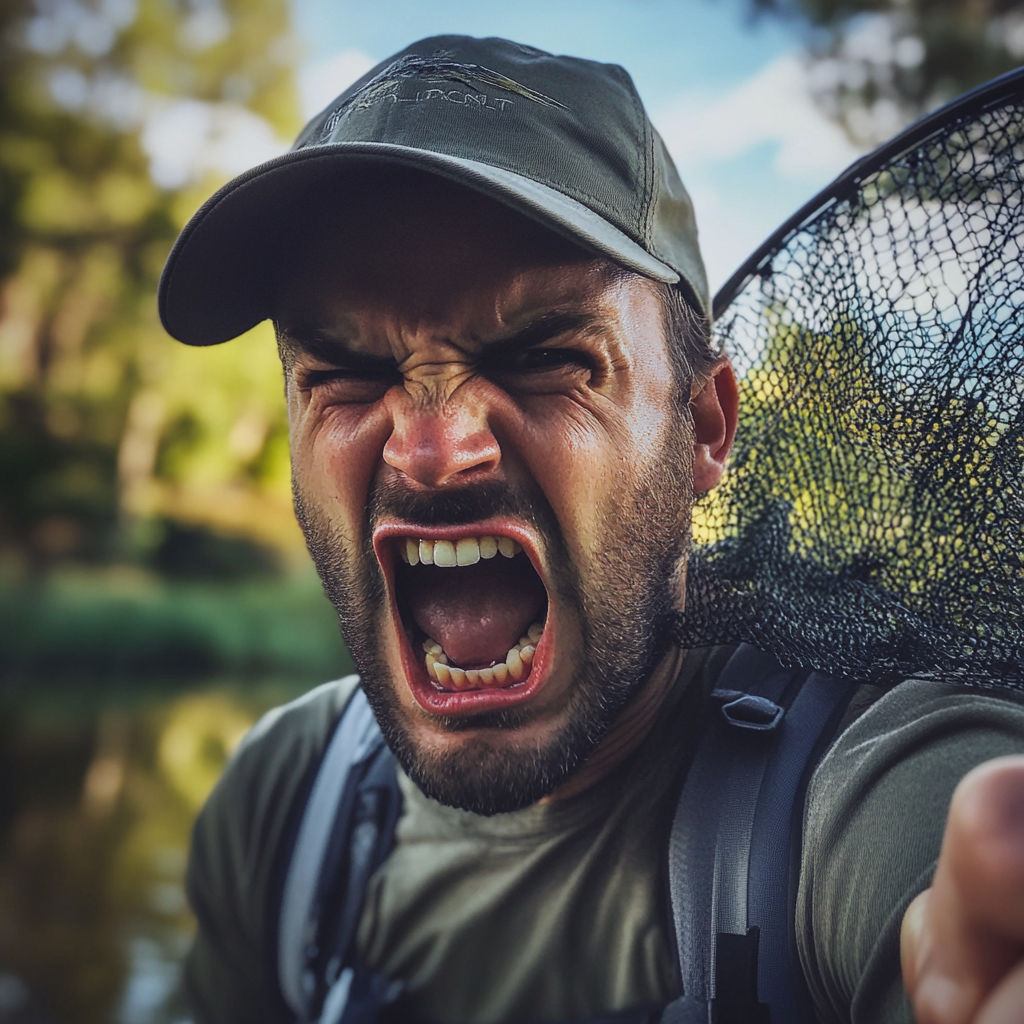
(218, 283)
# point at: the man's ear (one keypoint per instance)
(714, 405)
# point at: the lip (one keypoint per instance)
(462, 702)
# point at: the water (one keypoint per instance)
(100, 788)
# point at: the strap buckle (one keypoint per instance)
(747, 711)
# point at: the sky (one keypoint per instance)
(729, 95)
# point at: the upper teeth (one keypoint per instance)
(465, 551)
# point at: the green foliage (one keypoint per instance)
(102, 423)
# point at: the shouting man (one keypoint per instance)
(493, 318)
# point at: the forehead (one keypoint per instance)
(430, 249)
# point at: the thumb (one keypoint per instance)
(960, 937)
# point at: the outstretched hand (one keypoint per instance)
(963, 939)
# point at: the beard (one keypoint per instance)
(625, 600)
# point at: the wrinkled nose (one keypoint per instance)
(440, 445)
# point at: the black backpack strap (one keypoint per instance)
(346, 833)
(734, 850)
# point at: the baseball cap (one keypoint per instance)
(565, 141)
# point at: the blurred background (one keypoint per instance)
(155, 596)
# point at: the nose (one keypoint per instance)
(439, 445)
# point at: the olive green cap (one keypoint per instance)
(565, 141)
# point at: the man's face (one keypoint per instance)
(491, 463)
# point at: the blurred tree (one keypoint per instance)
(117, 117)
(876, 65)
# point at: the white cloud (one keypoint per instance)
(717, 142)
(184, 139)
(321, 82)
(773, 106)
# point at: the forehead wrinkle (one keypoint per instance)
(425, 344)
(432, 362)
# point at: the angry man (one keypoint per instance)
(493, 319)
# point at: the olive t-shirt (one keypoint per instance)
(559, 911)
(555, 912)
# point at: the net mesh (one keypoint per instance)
(871, 521)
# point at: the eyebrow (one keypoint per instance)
(332, 350)
(536, 332)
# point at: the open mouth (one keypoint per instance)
(470, 607)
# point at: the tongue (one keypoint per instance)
(475, 612)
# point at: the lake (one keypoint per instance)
(101, 784)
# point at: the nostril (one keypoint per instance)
(434, 454)
(479, 453)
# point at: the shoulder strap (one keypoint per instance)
(346, 832)
(734, 850)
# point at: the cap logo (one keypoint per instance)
(437, 69)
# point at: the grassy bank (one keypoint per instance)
(119, 625)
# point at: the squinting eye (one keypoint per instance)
(384, 376)
(538, 359)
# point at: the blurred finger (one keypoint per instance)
(913, 938)
(962, 936)
(1006, 1004)
(986, 845)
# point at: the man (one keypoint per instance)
(492, 315)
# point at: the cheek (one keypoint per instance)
(589, 460)
(336, 452)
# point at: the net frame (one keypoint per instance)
(871, 520)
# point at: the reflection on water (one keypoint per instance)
(95, 811)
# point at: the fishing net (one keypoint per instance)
(871, 522)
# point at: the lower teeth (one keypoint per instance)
(515, 667)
